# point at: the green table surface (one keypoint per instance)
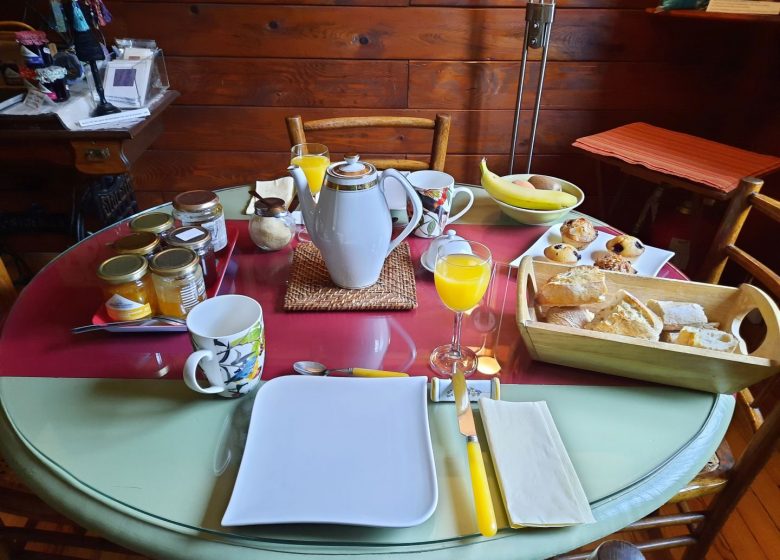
(151, 465)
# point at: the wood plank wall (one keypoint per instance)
(242, 66)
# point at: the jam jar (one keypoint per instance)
(198, 240)
(127, 288)
(158, 223)
(144, 243)
(178, 281)
(272, 227)
(202, 208)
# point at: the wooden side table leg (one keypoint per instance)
(651, 201)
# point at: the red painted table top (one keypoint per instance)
(37, 338)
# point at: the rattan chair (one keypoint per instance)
(297, 130)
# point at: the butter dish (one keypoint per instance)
(538, 482)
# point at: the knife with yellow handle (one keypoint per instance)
(483, 503)
(362, 372)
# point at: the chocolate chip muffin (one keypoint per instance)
(562, 253)
(626, 246)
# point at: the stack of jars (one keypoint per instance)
(162, 269)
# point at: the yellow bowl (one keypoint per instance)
(539, 217)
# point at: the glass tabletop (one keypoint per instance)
(120, 425)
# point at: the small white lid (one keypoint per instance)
(428, 258)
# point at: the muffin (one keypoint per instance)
(562, 253)
(615, 263)
(626, 246)
(578, 232)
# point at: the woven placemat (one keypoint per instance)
(311, 289)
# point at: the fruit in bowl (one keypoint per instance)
(535, 200)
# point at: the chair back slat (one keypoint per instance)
(766, 205)
(297, 129)
(758, 270)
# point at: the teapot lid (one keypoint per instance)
(351, 168)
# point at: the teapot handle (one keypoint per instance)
(411, 194)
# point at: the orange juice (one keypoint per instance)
(461, 280)
(314, 167)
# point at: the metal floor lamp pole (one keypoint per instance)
(538, 25)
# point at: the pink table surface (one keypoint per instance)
(36, 339)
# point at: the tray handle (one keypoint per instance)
(750, 298)
(526, 285)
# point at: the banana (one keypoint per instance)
(533, 199)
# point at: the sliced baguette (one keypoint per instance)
(676, 314)
(579, 285)
(626, 315)
(575, 317)
(711, 339)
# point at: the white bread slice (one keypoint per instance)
(676, 314)
(628, 316)
(575, 317)
(711, 339)
(577, 286)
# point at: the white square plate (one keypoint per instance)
(337, 450)
(649, 264)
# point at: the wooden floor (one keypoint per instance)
(751, 533)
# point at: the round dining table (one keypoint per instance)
(101, 426)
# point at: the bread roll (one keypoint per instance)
(577, 286)
(575, 317)
(627, 316)
(676, 314)
(711, 339)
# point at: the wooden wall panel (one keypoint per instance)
(284, 82)
(409, 33)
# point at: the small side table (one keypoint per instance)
(105, 157)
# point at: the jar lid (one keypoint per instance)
(176, 261)
(122, 268)
(156, 222)
(270, 207)
(191, 237)
(138, 243)
(192, 201)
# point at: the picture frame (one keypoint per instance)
(126, 82)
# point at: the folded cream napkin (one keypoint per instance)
(278, 188)
(538, 482)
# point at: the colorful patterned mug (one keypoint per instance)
(228, 337)
(437, 190)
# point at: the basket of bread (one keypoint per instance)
(674, 332)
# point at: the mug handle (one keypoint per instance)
(191, 368)
(411, 195)
(455, 192)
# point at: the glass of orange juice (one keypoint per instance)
(314, 160)
(461, 274)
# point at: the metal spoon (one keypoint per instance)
(316, 368)
(156, 320)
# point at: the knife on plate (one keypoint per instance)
(483, 503)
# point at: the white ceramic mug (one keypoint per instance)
(437, 190)
(228, 336)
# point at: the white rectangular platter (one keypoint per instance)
(337, 450)
(649, 264)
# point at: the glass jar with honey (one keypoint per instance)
(158, 223)
(178, 281)
(202, 208)
(144, 243)
(127, 288)
(197, 239)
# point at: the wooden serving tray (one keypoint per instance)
(660, 362)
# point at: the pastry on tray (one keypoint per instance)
(677, 314)
(562, 253)
(626, 315)
(626, 246)
(578, 232)
(711, 339)
(576, 317)
(615, 263)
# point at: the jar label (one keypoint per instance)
(120, 308)
(188, 234)
(193, 293)
(218, 233)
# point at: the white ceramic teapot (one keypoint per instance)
(351, 223)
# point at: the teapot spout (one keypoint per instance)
(305, 199)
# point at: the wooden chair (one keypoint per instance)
(729, 480)
(297, 129)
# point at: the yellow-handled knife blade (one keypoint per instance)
(483, 503)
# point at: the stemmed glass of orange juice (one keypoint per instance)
(314, 160)
(462, 274)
